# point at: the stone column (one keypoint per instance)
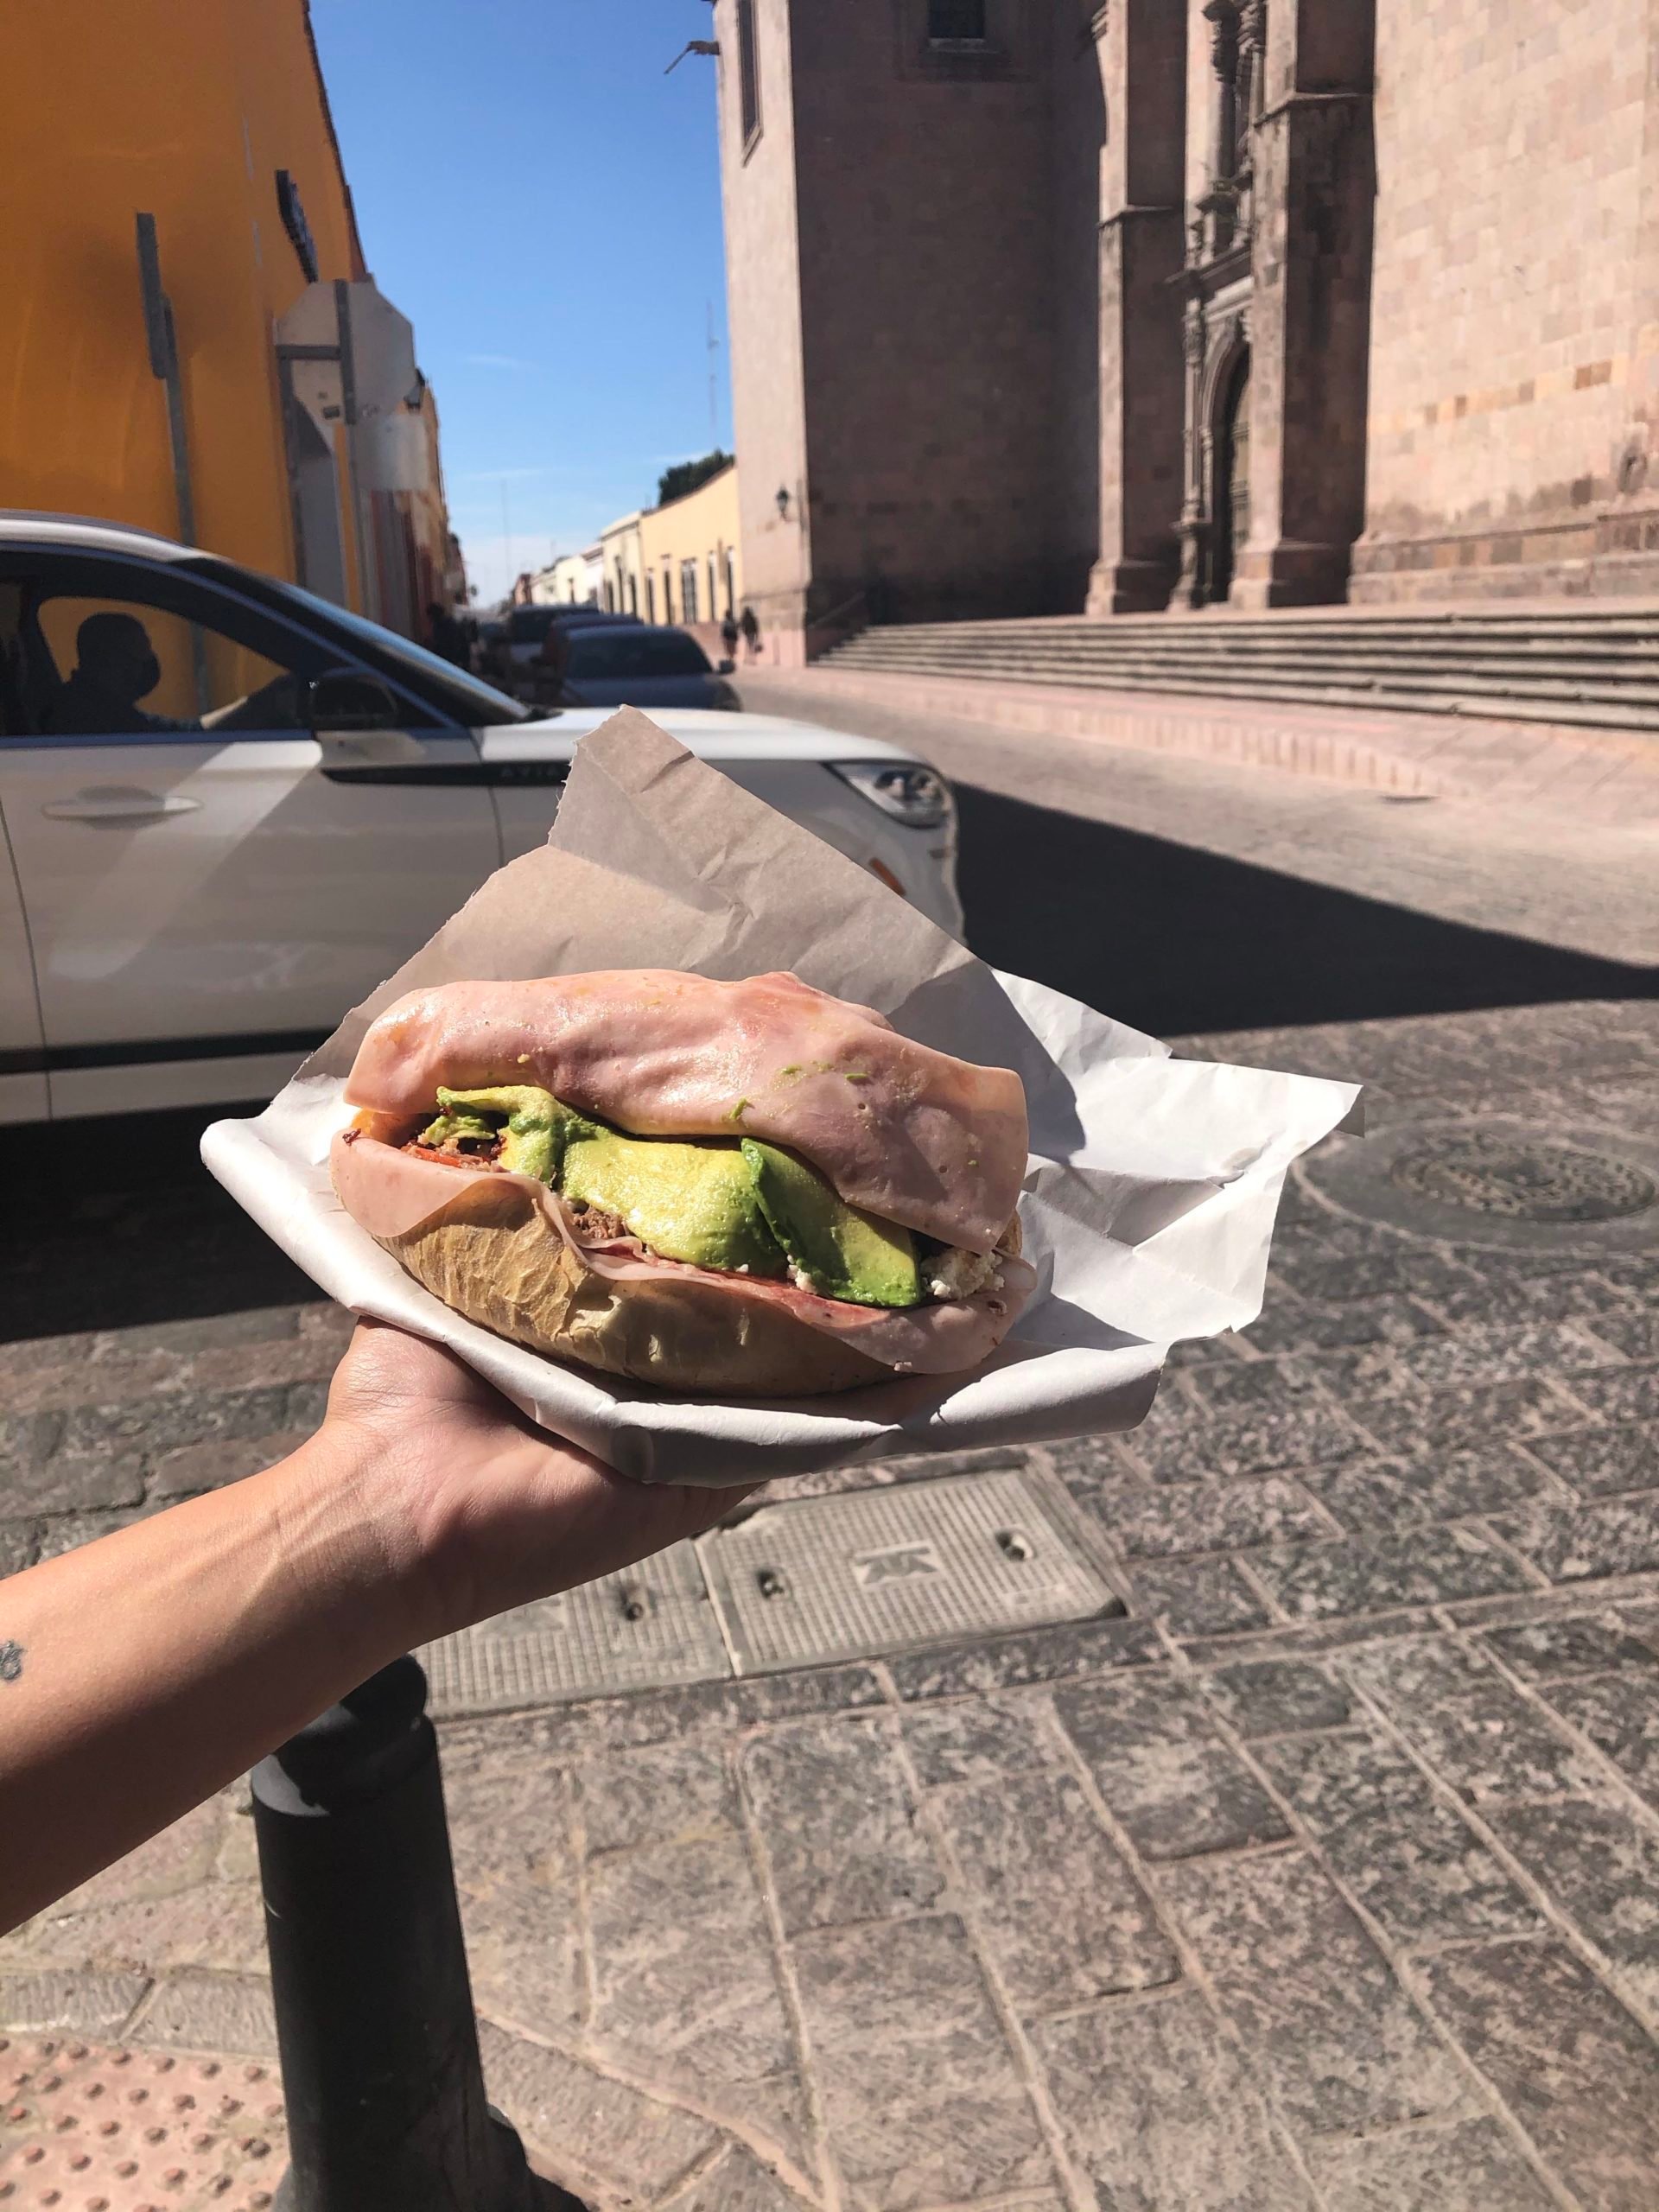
(1193, 530)
(1218, 205)
(1252, 69)
(1253, 46)
(1142, 54)
(1311, 270)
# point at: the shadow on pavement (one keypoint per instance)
(1179, 941)
(115, 1222)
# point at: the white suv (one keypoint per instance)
(230, 808)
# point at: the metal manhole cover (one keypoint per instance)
(647, 1629)
(868, 1571)
(1500, 1182)
(83, 2125)
(1498, 1174)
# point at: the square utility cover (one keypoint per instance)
(871, 1570)
(642, 1629)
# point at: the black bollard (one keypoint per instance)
(386, 2111)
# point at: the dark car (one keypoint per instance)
(526, 626)
(584, 618)
(490, 648)
(641, 665)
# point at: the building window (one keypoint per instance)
(731, 584)
(955, 23)
(634, 595)
(688, 591)
(714, 590)
(748, 75)
(650, 600)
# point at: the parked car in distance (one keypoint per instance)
(229, 809)
(525, 667)
(490, 648)
(526, 626)
(646, 665)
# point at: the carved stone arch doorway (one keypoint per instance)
(1216, 518)
(1228, 500)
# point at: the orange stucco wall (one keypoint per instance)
(186, 109)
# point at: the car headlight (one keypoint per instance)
(909, 792)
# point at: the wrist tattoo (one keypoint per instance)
(11, 1661)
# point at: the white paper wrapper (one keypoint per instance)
(1149, 1199)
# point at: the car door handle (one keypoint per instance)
(368, 748)
(122, 806)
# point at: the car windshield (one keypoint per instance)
(471, 702)
(604, 654)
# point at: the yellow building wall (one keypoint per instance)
(702, 527)
(619, 549)
(186, 108)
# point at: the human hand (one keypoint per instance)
(479, 1509)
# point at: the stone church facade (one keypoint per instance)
(1038, 305)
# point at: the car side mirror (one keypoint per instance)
(725, 667)
(346, 699)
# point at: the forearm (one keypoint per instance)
(142, 1672)
(145, 1671)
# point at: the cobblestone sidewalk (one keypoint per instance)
(1324, 1872)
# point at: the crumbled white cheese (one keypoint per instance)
(799, 1277)
(954, 1274)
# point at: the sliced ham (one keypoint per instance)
(907, 1133)
(390, 1192)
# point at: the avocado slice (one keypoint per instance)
(711, 1202)
(692, 1199)
(460, 1128)
(538, 1127)
(843, 1252)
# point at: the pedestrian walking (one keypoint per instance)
(751, 629)
(728, 635)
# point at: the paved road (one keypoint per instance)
(1145, 841)
(1319, 1872)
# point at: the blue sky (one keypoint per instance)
(543, 203)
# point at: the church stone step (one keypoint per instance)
(1594, 666)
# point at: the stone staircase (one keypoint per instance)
(1595, 666)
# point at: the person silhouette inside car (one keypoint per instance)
(116, 666)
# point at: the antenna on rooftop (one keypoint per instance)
(714, 381)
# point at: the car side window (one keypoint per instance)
(114, 650)
(114, 668)
(14, 719)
